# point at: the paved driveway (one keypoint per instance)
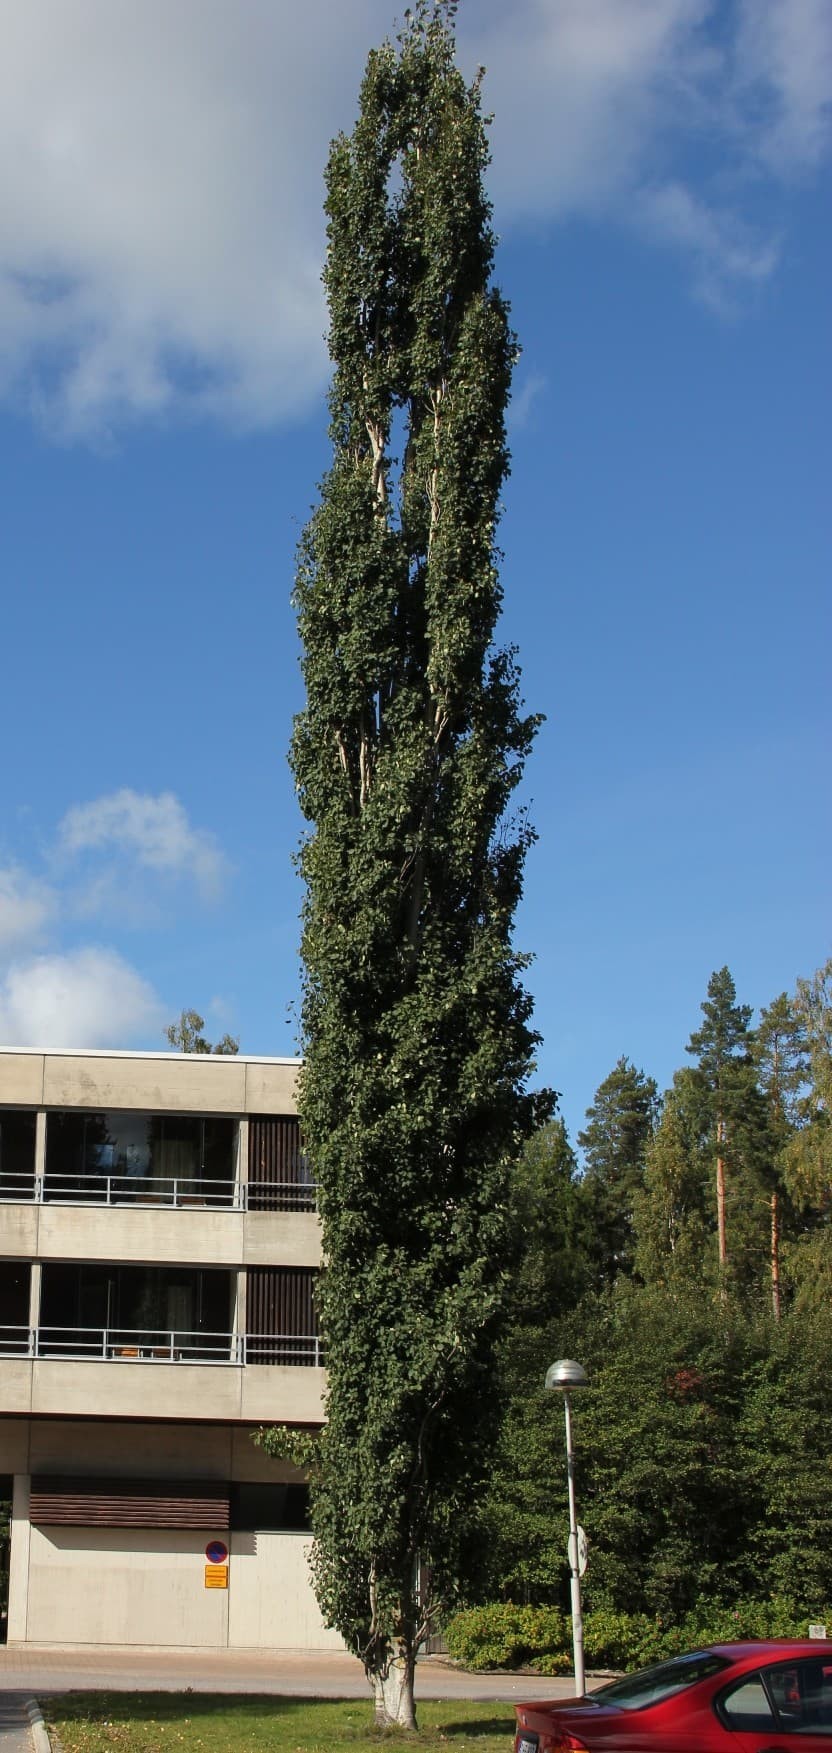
(15, 1734)
(35, 1670)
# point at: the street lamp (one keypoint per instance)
(565, 1375)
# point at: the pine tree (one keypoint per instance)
(416, 1028)
(780, 1055)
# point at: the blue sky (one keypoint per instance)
(661, 184)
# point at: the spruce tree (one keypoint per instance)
(416, 1028)
(620, 1125)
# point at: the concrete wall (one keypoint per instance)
(131, 1586)
(169, 1082)
(123, 1585)
(271, 1602)
(144, 1586)
(158, 1234)
(143, 1450)
(139, 1389)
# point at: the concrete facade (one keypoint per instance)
(105, 1400)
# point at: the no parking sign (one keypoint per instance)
(216, 1568)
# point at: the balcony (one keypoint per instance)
(170, 1374)
(162, 1345)
(185, 1191)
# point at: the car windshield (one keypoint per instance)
(651, 1685)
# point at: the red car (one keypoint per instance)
(729, 1698)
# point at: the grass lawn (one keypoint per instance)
(153, 1722)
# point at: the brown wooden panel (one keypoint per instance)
(57, 1501)
(278, 1172)
(280, 1304)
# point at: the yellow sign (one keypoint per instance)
(216, 1576)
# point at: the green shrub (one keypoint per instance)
(709, 1622)
(505, 1636)
(620, 1640)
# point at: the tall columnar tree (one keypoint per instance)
(416, 1027)
(722, 1046)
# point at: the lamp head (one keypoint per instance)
(566, 1374)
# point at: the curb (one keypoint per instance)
(40, 1734)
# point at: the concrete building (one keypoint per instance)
(158, 1249)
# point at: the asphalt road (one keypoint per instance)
(35, 1670)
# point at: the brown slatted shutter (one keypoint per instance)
(278, 1171)
(281, 1320)
(59, 1501)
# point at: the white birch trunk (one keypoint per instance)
(393, 1687)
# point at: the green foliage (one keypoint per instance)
(505, 1636)
(416, 1026)
(501, 1635)
(186, 1036)
(673, 1220)
(620, 1125)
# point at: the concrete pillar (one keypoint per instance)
(242, 1157)
(40, 1148)
(19, 1561)
(34, 1293)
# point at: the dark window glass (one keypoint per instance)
(802, 1694)
(131, 1156)
(175, 1310)
(653, 1684)
(14, 1306)
(269, 1508)
(17, 1153)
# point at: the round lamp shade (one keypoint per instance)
(566, 1373)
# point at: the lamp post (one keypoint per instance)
(565, 1375)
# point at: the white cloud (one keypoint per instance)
(784, 74)
(723, 252)
(87, 998)
(26, 907)
(152, 832)
(161, 169)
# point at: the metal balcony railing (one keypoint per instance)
(160, 1345)
(183, 1191)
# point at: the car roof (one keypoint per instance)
(768, 1649)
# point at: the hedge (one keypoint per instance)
(506, 1636)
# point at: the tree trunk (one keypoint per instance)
(775, 1254)
(720, 1191)
(391, 1670)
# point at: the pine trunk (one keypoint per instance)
(391, 1673)
(720, 1192)
(775, 1255)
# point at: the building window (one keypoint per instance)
(168, 1312)
(14, 1307)
(175, 1159)
(17, 1153)
(269, 1508)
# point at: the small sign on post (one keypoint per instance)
(818, 1631)
(216, 1576)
